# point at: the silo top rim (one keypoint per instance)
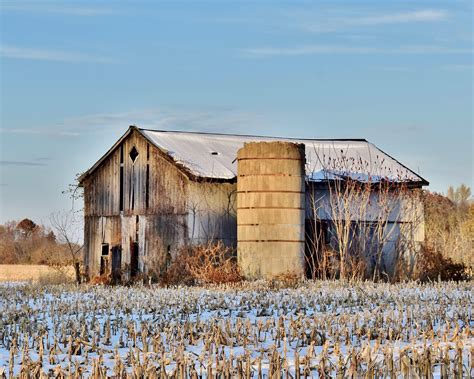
(272, 150)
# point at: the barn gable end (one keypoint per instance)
(135, 204)
(140, 206)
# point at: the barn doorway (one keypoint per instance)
(116, 264)
(316, 237)
(104, 259)
(133, 259)
(310, 251)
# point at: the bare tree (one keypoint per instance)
(68, 231)
(368, 217)
(460, 196)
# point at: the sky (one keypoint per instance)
(74, 75)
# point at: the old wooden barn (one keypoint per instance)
(155, 191)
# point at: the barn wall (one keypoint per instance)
(405, 208)
(211, 212)
(166, 187)
(158, 225)
(178, 210)
(99, 230)
(101, 189)
(405, 228)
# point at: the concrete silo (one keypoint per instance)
(271, 209)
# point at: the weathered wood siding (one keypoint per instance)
(212, 212)
(178, 210)
(157, 225)
(97, 231)
(167, 184)
(101, 189)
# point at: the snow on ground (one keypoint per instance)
(317, 329)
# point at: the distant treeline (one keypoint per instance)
(449, 231)
(25, 242)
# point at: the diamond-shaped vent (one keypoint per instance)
(133, 154)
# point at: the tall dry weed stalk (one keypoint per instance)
(361, 223)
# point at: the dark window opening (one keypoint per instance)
(116, 263)
(133, 154)
(147, 187)
(148, 151)
(133, 259)
(133, 196)
(121, 188)
(121, 180)
(104, 259)
(317, 239)
(137, 225)
(132, 189)
(214, 153)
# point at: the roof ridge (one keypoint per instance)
(249, 135)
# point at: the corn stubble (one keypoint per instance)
(248, 330)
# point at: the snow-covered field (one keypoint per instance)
(325, 329)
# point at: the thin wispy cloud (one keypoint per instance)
(16, 52)
(204, 119)
(57, 132)
(333, 22)
(57, 8)
(426, 15)
(22, 163)
(268, 51)
(458, 67)
(182, 118)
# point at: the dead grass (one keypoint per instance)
(41, 274)
(211, 263)
(286, 280)
(101, 279)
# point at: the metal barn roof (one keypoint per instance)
(213, 155)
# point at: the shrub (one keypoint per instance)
(432, 265)
(449, 227)
(211, 263)
(101, 279)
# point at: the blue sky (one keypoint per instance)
(74, 75)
